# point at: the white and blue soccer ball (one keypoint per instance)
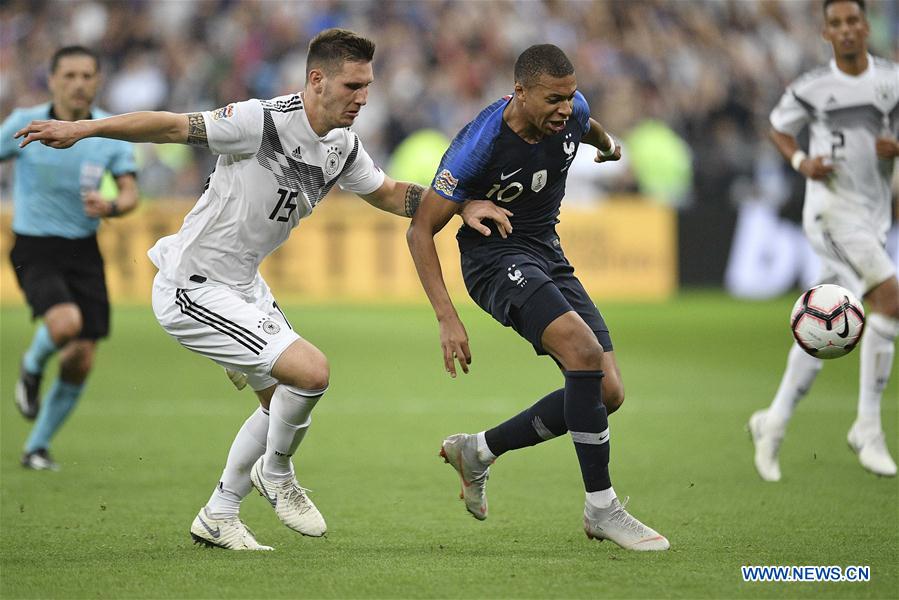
(827, 321)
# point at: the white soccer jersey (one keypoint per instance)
(273, 169)
(845, 114)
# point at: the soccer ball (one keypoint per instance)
(827, 321)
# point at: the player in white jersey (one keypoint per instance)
(277, 160)
(852, 109)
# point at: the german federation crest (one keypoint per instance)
(270, 327)
(331, 164)
(538, 181)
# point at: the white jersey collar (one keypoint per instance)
(853, 78)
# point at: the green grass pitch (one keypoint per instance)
(148, 441)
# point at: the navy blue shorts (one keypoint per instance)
(527, 288)
(55, 270)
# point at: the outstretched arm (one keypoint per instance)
(811, 167)
(153, 127)
(433, 214)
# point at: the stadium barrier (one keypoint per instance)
(351, 252)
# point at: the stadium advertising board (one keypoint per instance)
(623, 249)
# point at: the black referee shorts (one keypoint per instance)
(55, 270)
(527, 288)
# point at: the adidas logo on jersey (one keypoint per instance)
(297, 153)
(831, 100)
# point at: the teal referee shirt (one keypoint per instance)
(48, 182)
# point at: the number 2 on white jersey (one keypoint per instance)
(837, 142)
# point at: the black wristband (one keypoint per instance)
(113, 209)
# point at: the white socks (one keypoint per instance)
(275, 433)
(602, 498)
(796, 382)
(247, 447)
(877, 350)
(484, 454)
(289, 418)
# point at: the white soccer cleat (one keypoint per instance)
(871, 447)
(228, 532)
(28, 393)
(767, 444)
(616, 524)
(461, 451)
(39, 460)
(290, 501)
(238, 378)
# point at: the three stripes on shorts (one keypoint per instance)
(238, 333)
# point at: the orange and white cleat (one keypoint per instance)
(461, 451)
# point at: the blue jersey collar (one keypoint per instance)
(52, 114)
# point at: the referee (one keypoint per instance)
(55, 256)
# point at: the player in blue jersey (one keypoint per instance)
(516, 153)
(55, 255)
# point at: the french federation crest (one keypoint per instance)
(538, 181)
(569, 148)
(332, 163)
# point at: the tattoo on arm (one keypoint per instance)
(196, 130)
(413, 198)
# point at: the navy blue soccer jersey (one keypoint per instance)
(487, 160)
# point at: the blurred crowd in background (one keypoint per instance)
(686, 84)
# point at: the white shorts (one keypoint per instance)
(246, 332)
(852, 250)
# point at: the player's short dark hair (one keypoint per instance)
(827, 3)
(541, 59)
(332, 47)
(72, 51)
